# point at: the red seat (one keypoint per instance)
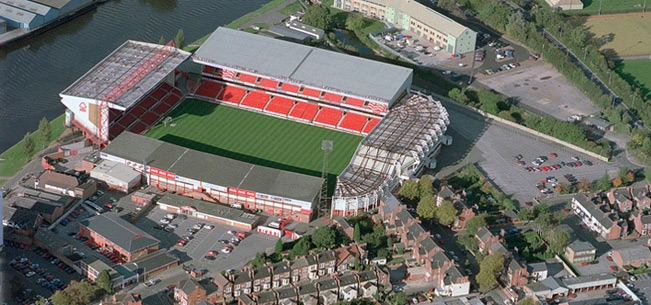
(269, 84)
(231, 94)
(137, 111)
(127, 119)
(139, 128)
(354, 102)
(158, 93)
(331, 97)
(115, 130)
(209, 89)
(248, 78)
(147, 102)
(353, 121)
(289, 88)
(256, 99)
(370, 125)
(167, 87)
(311, 92)
(149, 118)
(376, 107)
(280, 105)
(208, 69)
(328, 116)
(162, 108)
(172, 100)
(304, 111)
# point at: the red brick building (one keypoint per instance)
(118, 236)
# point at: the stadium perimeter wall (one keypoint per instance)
(515, 125)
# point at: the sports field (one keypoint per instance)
(628, 35)
(637, 73)
(591, 7)
(255, 138)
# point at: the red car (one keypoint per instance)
(182, 242)
(521, 163)
(108, 206)
(609, 258)
(212, 252)
(528, 203)
(553, 155)
(613, 268)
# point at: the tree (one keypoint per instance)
(647, 173)
(426, 208)
(28, 146)
(617, 182)
(459, 95)
(409, 189)
(45, 130)
(489, 269)
(324, 237)
(104, 281)
(507, 204)
(584, 184)
(60, 297)
(302, 247)
(354, 22)
(475, 223)
(318, 15)
(446, 213)
(469, 242)
(162, 41)
(425, 186)
(259, 260)
(278, 248)
(603, 184)
(179, 39)
(558, 240)
(397, 299)
(357, 234)
(528, 301)
(626, 175)
(525, 214)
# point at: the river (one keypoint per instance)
(34, 72)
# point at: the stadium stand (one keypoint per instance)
(304, 111)
(370, 125)
(269, 84)
(353, 122)
(280, 105)
(354, 102)
(289, 88)
(328, 116)
(256, 99)
(209, 89)
(331, 97)
(311, 92)
(248, 78)
(232, 95)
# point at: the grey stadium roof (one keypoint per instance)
(123, 63)
(58, 4)
(209, 208)
(303, 64)
(214, 169)
(120, 232)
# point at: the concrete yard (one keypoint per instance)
(541, 89)
(493, 147)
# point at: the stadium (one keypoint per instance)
(248, 129)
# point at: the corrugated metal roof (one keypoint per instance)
(296, 63)
(15, 14)
(58, 4)
(29, 6)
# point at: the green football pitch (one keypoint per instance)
(255, 138)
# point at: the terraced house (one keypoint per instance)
(423, 21)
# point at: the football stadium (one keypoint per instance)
(248, 130)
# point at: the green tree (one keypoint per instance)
(179, 39)
(28, 146)
(604, 183)
(469, 242)
(426, 208)
(626, 175)
(324, 237)
(60, 297)
(527, 301)
(45, 130)
(278, 248)
(301, 247)
(489, 270)
(425, 186)
(354, 22)
(459, 95)
(475, 223)
(357, 233)
(558, 240)
(259, 260)
(409, 189)
(647, 173)
(507, 204)
(525, 214)
(446, 213)
(162, 41)
(104, 281)
(397, 299)
(319, 16)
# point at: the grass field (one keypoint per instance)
(591, 7)
(636, 73)
(12, 160)
(629, 34)
(255, 138)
